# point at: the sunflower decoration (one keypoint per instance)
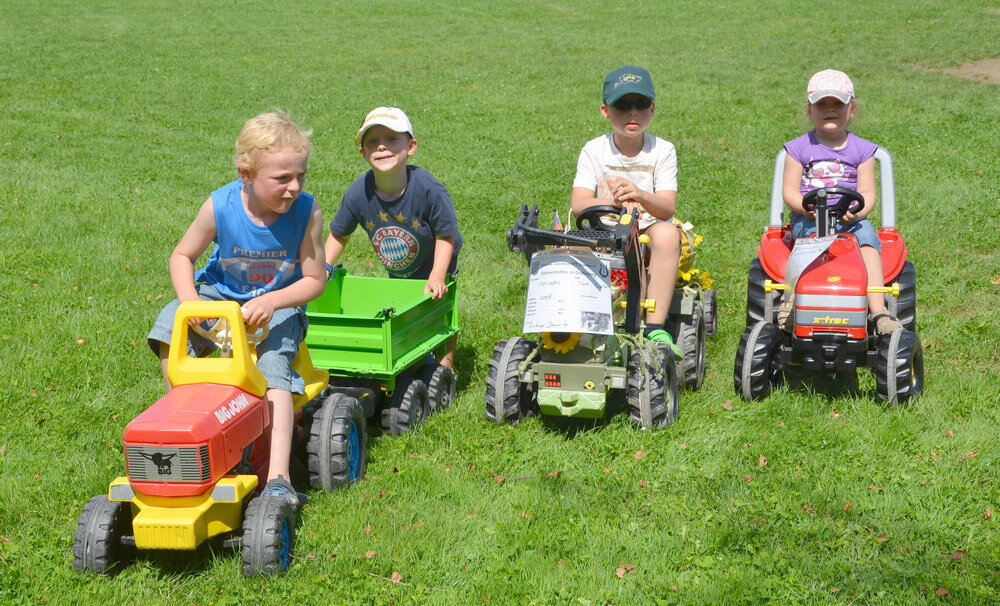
(694, 276)
(560, 342)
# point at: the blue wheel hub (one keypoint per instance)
(353, 451)
(285, 549)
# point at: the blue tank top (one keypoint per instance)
(250, 260)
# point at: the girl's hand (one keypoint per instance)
(849, 218)
(257, 312)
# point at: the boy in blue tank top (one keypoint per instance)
(268, 257)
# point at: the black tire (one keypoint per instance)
(653, 402)
(338, 443)
(756, 297)
(97, 542)
(691, 334)
(408, 407)
(757, 370)
(899, 372)
(268, 535)
(440, 381)
(711, 303)
(906, 304)
(507, 399)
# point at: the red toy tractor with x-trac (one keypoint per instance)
(829, 329)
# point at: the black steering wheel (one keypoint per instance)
(850, 200)
(590, 217)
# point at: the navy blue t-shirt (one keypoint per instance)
(402, 231)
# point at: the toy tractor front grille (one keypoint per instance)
(168, 463)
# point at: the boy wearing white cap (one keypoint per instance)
(832, 156)
(407, 213)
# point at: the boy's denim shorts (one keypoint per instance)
(862, 230)
(275, 353)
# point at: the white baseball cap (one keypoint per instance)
(830, 83)
(392, 118)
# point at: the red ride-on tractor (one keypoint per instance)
(197, 457)
(829, 330)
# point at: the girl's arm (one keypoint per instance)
(444, 248)
(866, 187)
(194, 242)
(791, 184)
(259, 310)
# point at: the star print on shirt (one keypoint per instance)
(370, 225)
(416, 224)
(383, 216)
(400, 217)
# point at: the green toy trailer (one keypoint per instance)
(376, 337)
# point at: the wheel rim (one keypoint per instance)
(446, 392)
(285, 549)
(353, 451)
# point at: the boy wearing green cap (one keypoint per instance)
(631, 169)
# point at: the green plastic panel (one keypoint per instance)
(350, 336)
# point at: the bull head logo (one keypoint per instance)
(161, 461)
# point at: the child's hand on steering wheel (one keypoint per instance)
(257, 312)
(623, 192)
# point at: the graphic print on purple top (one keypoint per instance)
(827, 167)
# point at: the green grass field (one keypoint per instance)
(119, 118)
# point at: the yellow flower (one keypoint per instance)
(560, 342)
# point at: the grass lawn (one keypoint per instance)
(119, 118)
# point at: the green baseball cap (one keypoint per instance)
(627, 79)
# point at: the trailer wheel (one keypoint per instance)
(757, 298)
(756, 370)
(508, 400)
(338, 443)
(440, 381)
(899, 372)
(711, 311)
(408, 407)
(268, 535)
(691, 333)
(652, 388)
(97, 542)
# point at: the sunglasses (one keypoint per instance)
(624, 105)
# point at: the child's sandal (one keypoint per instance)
(885, 323)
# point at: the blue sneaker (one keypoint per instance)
(280, 487)
(662, 338)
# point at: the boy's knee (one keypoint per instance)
(664, 237)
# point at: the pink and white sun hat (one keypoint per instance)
(830, 83)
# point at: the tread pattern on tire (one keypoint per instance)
(691, 334)
(906, 303)
(899, 370)
(97, 544)
(652, 388)
(262, 544)
(328, 444)
(755, 372)
(400, 416)
(441, 377)
(756, 297)
(507, 399)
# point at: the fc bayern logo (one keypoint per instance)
(395, 246)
